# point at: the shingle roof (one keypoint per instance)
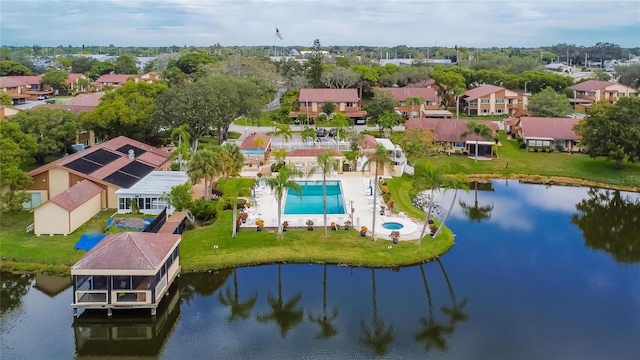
(313, 152)
(591, 85)
(449, 130)
(114, 78)
(71, 78)
(334, 95)
(368, 142)
(481, 91)
(76, 195)
(547, 127)
(249, 142)
(7, 82)
(129, 251)
(401, 94)
(92, 99)
(31, 79)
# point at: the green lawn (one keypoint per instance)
(340, 247)
(23, 251)
(514, 161)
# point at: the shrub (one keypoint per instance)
(260, 223)
(175, 167)
(240, 205)
(363, 229)
(203, 210)
(386, 197)
(433, 228)
(384, 188)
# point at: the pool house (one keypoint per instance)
(148, 193)
(126, 271)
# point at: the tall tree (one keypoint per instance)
(308, 134)
(549, 103)
(183, 150)
(412, 101)
(100, 68)
(457, 182)
(126, 64)
(284, 130)
(232, 160)
(382, 102)
(326, 164)
(387, 121)
(612, 130)
(285, 314)
(15, 147)
(232, 190)
(10, 67)
(204, 165)
(448, 80)
(380, 336)
(379, 158)
(54, 130)
(237, 309)
(629, 75)
(82, 64)
(279, 184)
(329, 107)
(325, 319)
(57, 79)
(125, 111)
(480, 130)
(429, 177)
(418, 143)
(315, 62)
(339, 78)
(191, 62)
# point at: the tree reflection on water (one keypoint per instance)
(611, 223)
(14, 287)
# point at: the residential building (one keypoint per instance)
(449, 133)
(368, 145)
(113, 80)
(16, 89)
(115, 164)
(6, 112)
(549, 133)
(126, 271)
(306, 160)
(256, 148)
(148, 193)
(429, 106)
(34, 87)
(590, 91)
(346, 101)
(72, 82)
(494, 100)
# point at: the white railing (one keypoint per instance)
(30, 228)
(91, 297)
(293, 145)
(408, 169)
(131, 297)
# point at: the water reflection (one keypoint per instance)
(203, 284)
(14, 287)
(476, 212)
(432, 333)
(231, 298)
(285, 314)
(127, 333)
(611, 223)
(379, 336)
(52, 285)
(455, 312)
(325, 319)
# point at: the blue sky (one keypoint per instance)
(500, 23)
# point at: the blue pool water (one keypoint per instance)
(253, 152)
(392, 226)
(311, 200)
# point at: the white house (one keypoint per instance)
(148, 192)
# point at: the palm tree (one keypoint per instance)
(380, 337)
(432, 333)
(429, 177)
(286, 315)
(351, 157)
(480, 131)
(341, 122)
(475, 212)
(455, 313)
(183, 150)
(326, 163)
(458, 182)
(327, 329)
(232, 190)
(414, 100)
(380, 158)
(458, 91)
(279, 184)
(284, 130)
(205, 165)
(238, 309)
(308, 133)
(232, 159)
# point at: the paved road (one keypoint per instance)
(275, 104)
(31, 104)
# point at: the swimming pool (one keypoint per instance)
(253, 152)
(311, 200)
(392, 225)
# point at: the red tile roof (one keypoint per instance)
(313, 152)
(591, 85)
(448, 130)
(31, 79)
(547, 127)
(129, 251)
(368, 142)
(334, 95)
(86, 99)
(481, 91)
(249, 142)
(76, 109)
(71, 78)
(114, 78)
(9, 81)
(76, 195)
(401, 94)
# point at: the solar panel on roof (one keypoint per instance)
(102, 156)
(121, 179)
(83, 166)
(137, 169)
(136, 150)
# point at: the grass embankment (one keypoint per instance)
(559, 168)
(22, 251)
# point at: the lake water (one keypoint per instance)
(536, 273)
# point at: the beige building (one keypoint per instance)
(346, 101)
(429, 106)
(369, 143)
(67, 211)
(588, 92)
(306, 160)
(494, 100)
(115, 164)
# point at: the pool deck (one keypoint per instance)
(355, 191)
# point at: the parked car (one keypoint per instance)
(360, 122)
(321, 132)
(41, 97)
(332, 132)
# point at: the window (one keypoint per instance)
(458, 144)
(147, 203)
(403, 103)
(499, 101)
(620, 94)
(124, 203)
(498, 111)
(405, 113)
(431, 103)
(484, 101)
(558, 142)
(485, 111)
(350, 104)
